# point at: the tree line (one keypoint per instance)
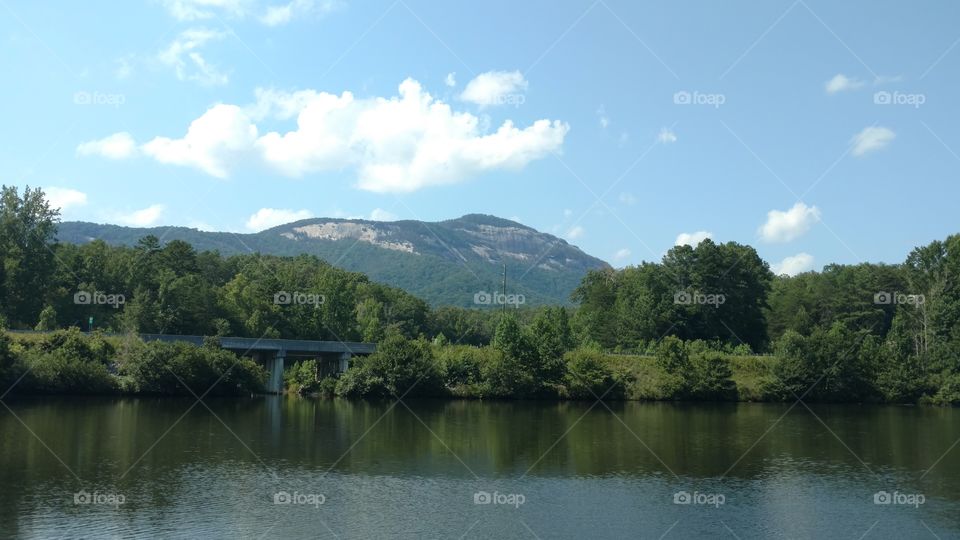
(689, 323)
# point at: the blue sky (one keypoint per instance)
(815, 131)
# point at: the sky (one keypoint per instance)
(818, 132)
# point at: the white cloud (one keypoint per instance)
(793, 265)
(494, 87)
(379, 214)
(64, 198)
(575, 232)
(628, 199)
(117, 146)
(142, 218)
(692, 239)
(870, 139)
(266, 218)
(621, 254)
(183, 55)
(786, 226)
(397, 144)
(667, 136)
(451, 79)
(841, 83)
(211, 143)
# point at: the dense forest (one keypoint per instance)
(710, 322)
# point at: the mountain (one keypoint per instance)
(445, 262)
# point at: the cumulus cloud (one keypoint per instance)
(142, 218)
(494, 87)
(692, 239)
(451, 79)
(841, 83)
(397, 144)
(117, 146)
(793, 265)
(667, 136)
(790, 225)
(183, 55)
(575, 232)
(64, 198)
(379, 214)
(621, 254)
(266, 218)
(870, 139)
(212, 142)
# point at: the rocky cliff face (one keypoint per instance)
(444, 262)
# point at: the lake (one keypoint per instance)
(287, 467)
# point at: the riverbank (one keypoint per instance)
(71, 362)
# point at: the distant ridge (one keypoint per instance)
(445, 262)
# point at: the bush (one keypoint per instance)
(712, 378)
(461, 366)
(589, 377)
(182, 368)
(301, 377)
(400, 367)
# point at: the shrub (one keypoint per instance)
(65, 372)
(712, 377)
(400, 367)
(461, 365)
(589, 377)
(181, 368)
(301, 377)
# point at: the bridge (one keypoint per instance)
(333, 356)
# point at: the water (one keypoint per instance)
(171, 468)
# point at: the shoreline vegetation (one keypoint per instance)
(686, 328)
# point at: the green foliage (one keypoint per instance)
(27, 228)
(302, 377)
(461, 366)
(588, 376)
(48, 320)
(400, 367)
(183, 369)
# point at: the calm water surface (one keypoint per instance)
(278, 467)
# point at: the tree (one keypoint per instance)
(27, 241)
(48, 320)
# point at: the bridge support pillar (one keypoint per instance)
(344, 362)
(275, 369)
